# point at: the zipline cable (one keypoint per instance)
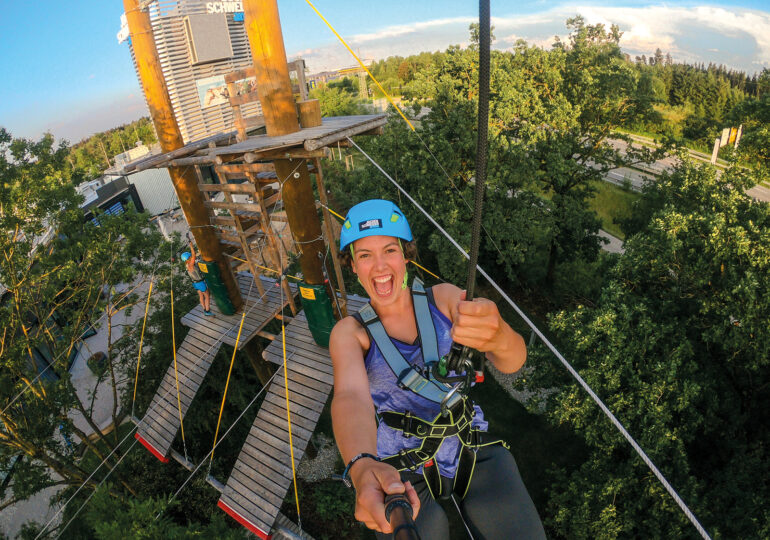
(206, 457)
(690, 515)
(168, 391)
(90, 495)
(229, 373)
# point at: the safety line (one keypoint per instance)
(360, 63)
(288, 409)
(690, 515)
(141, 342)
(265, 267)
(90, 495)
(229, 372)
(206, 457)
(61, 509)
(168, 391)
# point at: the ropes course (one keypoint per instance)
(461, 353)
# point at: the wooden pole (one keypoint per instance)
(184, 178)
(263, 26)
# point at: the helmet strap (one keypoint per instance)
(406, 277)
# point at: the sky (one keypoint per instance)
(64, 71)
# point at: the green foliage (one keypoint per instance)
(677, 345)
(91, 156)
(60, 273)
(338, 99)
(107, 518)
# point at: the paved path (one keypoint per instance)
(615, 244)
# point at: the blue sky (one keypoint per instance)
(64, 71)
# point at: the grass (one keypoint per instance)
(612, 202)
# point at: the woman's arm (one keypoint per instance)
(355, 429)
(479, 325)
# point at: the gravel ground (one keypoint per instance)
(506, 380)
(322, 466)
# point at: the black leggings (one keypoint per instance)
(497, 505)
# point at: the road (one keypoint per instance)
(635, 179)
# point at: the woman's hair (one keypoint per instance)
(410, 253)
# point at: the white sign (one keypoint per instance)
(224, 7)
(123, 35)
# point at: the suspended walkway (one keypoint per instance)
(194, 356)
(262, 474)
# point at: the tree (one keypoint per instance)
(59, 274)
(678, 347)
(336, 101)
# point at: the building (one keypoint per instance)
(198, 42)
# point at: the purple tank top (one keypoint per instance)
(387, 396)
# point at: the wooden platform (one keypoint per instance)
(262, 474)
(194, 356)
(221, 148)
(257, 315)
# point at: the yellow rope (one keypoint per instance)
(425, 270)
(288, 417)
(227, 384)
(335, 214)
(414, 263)
(176, 371)
(141, 341)
(361, 64)
(264, 267)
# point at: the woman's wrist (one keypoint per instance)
(346, 474)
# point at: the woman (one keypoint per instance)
(204, 295)
(409, 325)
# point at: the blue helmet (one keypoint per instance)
(186, 255)
(372, 218)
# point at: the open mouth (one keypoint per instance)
(383, 285)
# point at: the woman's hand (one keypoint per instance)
(477, 324)
(373, 480)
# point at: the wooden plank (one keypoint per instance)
(246, 187)
(330, 125)
(255, 451)
(278, 411)
(278, 444)
(258, 512)
(249, 509)
(278, 406)
(277, 427)
(248, 207)
(249, 482)
(315, 386)
(274, 421)
(334, 136)
(298, 394)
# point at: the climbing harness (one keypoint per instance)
(457, 411)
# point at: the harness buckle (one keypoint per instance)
(412, 379)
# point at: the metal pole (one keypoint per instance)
(184, 178)
(263, 26)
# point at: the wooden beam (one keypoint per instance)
(314, 144)
(246, 167)
(246, 187)
(288, 153)
(184, 179)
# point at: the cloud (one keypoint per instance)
(689, 34)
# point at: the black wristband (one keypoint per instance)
(345, 475)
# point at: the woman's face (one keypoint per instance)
(380, 265)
